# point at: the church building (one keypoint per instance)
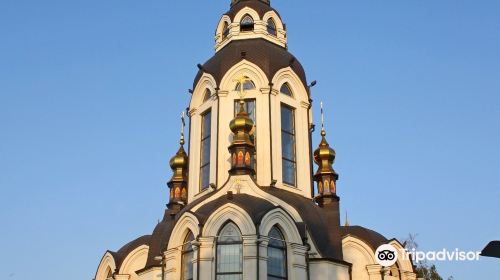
(252, 197)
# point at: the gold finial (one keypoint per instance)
(183, 123)
(346, 220)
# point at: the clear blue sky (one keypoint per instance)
(90, 93)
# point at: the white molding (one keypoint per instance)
(229, 212)
(107, 261)
(134, 261)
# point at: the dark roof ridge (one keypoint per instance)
(371, 237)
(260, 7)
(126, 249)
(268, 56)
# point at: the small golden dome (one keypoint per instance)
(180, 160)
(242, 122)
(324, 156)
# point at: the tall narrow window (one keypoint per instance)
(229, 253)
(288, 145)
(271, 27)
(246, 23)
(187, 257)
(276, 255)
(205, 149)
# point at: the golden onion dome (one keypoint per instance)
(324, 156)
(180, 160)
(242, 122)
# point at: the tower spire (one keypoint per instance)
(322, 119)
(325, 177)
(178, 182)
(183, 124)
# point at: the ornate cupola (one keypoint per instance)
(178, 184)
(242, 148)
(233, 2)
(250, 19)
(325, 177)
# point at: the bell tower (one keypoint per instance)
(250, 111)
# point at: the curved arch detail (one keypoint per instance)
(135, 260)
(107, 261)
(207, 81)
(229, 212)
(239, 16)
(278, 217)
(187, 222)
(220, 26)
(360, 246)
(277, 20)
(244, 68)
(287, 75)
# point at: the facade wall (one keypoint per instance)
(268, 127)
(328, 270)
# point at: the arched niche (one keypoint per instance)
(226, 213)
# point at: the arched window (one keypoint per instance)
(246, 23)
(271, 27)
(276, 255)
(187, 257)
(207, 95)
(225, 30)
(229, 253)
(247, 85)
(286, 90)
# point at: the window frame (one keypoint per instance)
(289, 88)
(184, 253)
(203, 141)
(294, 134)
(220, 244)
(272, 29)
(283, 249)
(247, 27)
(207, 94)
(252, 83)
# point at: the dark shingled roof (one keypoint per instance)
(160, 236)
(372, 238)
(260, 7)
(268, 56)
(128, 248)
(492, 250)
(256, 207)
(321, 223)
